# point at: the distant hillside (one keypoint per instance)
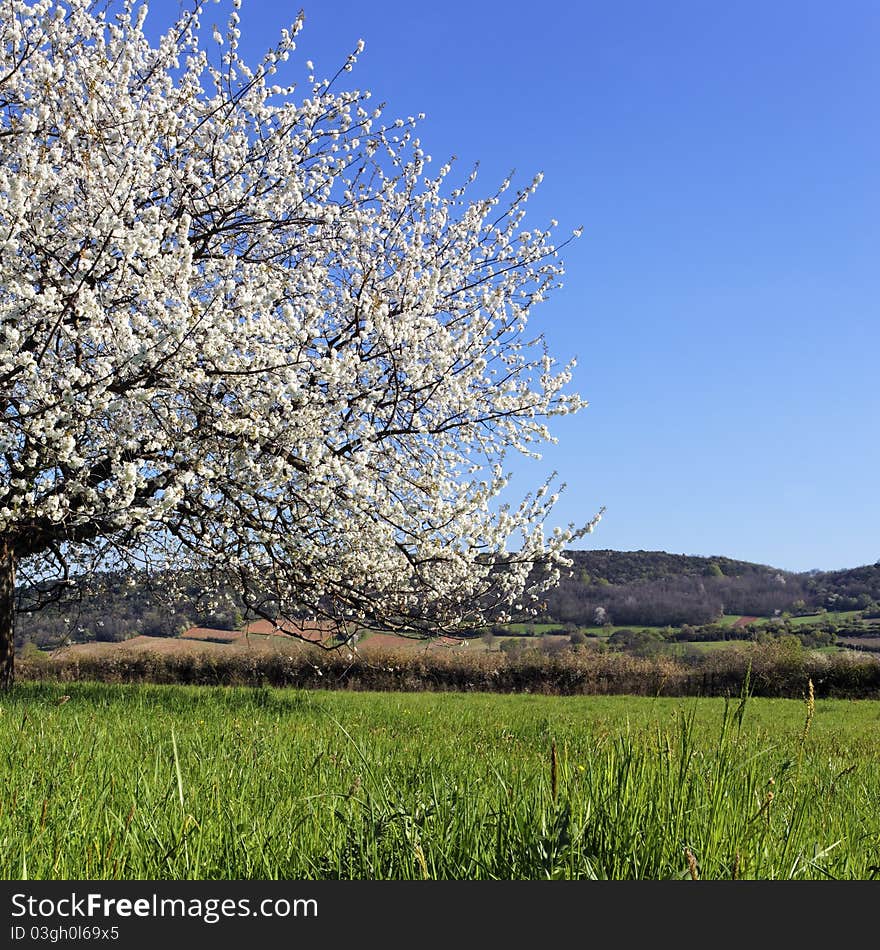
(655, 588)
(639, 588)
(852, 589)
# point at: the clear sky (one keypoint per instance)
(724, 300)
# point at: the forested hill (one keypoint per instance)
(627, 567)
(657, 588)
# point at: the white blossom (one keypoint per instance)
(241, 331)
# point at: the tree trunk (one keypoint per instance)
(7, 615)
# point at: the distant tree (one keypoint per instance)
(640, 642)
(622, 637)
(250, 335)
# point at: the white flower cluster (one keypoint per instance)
(247, 327)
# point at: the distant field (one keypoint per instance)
(226, 643)
(521, 628)
(730, 620)
(607, 631)
(837, 615)
(590, 631)
(738, 620)
(181, 646)
(727, 620)
(375, 640)
(184, 783)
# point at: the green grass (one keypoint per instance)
(539, 628)
(164, 782)
(839, 615)
(607, 631)
(728, 620)
(590, 631)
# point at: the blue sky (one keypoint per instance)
(724, 160)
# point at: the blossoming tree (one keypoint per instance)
(244, 331)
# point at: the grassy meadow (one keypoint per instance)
(138, 782)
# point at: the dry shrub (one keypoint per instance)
(773, 670)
